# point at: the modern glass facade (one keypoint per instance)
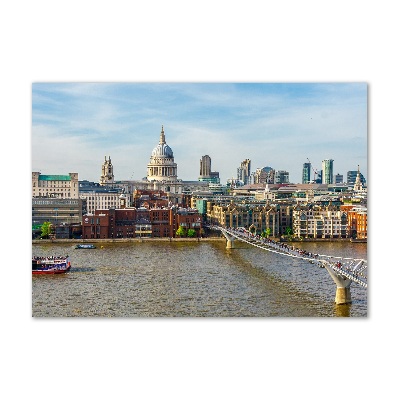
(327, 171)
(306, 176)
(351, 177)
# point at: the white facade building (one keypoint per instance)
(105, 201)
(319, 222)
(58, 186)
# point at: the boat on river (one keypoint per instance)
(85, 246)
(50, 265)
(358, 240)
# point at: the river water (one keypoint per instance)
(192, 279)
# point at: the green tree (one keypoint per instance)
(181, 231)
(191, 233)
(266, 232)
(288, 231)
(46, 230)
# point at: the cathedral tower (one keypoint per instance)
(107, 172)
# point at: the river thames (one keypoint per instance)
(192, 279)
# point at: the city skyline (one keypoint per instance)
(272, 124)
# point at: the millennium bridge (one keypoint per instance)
(343, 270)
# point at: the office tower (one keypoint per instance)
(281, 177)
(261, 175)
(205, 171)
(205, 166)
(243, 172)
(319, 177)
(352, 176)
(338, 179)
(327, 171)
(271, 176)
(306, 176)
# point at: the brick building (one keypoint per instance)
(357, 221)
(139, 222)
(149, 198)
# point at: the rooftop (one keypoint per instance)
(54, 178)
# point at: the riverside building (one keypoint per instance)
(357, 220)
(140, 222)
(57, 211)
(59, 186)
(259, 216)
(55, 199)
(101, 197)
(322, 222)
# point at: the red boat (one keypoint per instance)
(50, 265)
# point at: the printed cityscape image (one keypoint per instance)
(199, 199)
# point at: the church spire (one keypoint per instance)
(162, 136)
(358, 185)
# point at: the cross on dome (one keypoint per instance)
(162, 135)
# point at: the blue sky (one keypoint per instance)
(74, 125)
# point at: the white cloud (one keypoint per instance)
(227, 122)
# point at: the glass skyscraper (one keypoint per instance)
(327, 171)
(306, 176)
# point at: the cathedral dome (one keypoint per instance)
(162, 166)
(162, 150)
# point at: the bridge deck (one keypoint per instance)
(350, 268)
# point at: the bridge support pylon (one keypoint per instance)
(229, 240)
(343, 295)
(230, 243)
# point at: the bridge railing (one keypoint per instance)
(350, 268)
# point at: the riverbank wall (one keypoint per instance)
(127, 240)
(205, 239)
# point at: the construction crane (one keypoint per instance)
(315, 171)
